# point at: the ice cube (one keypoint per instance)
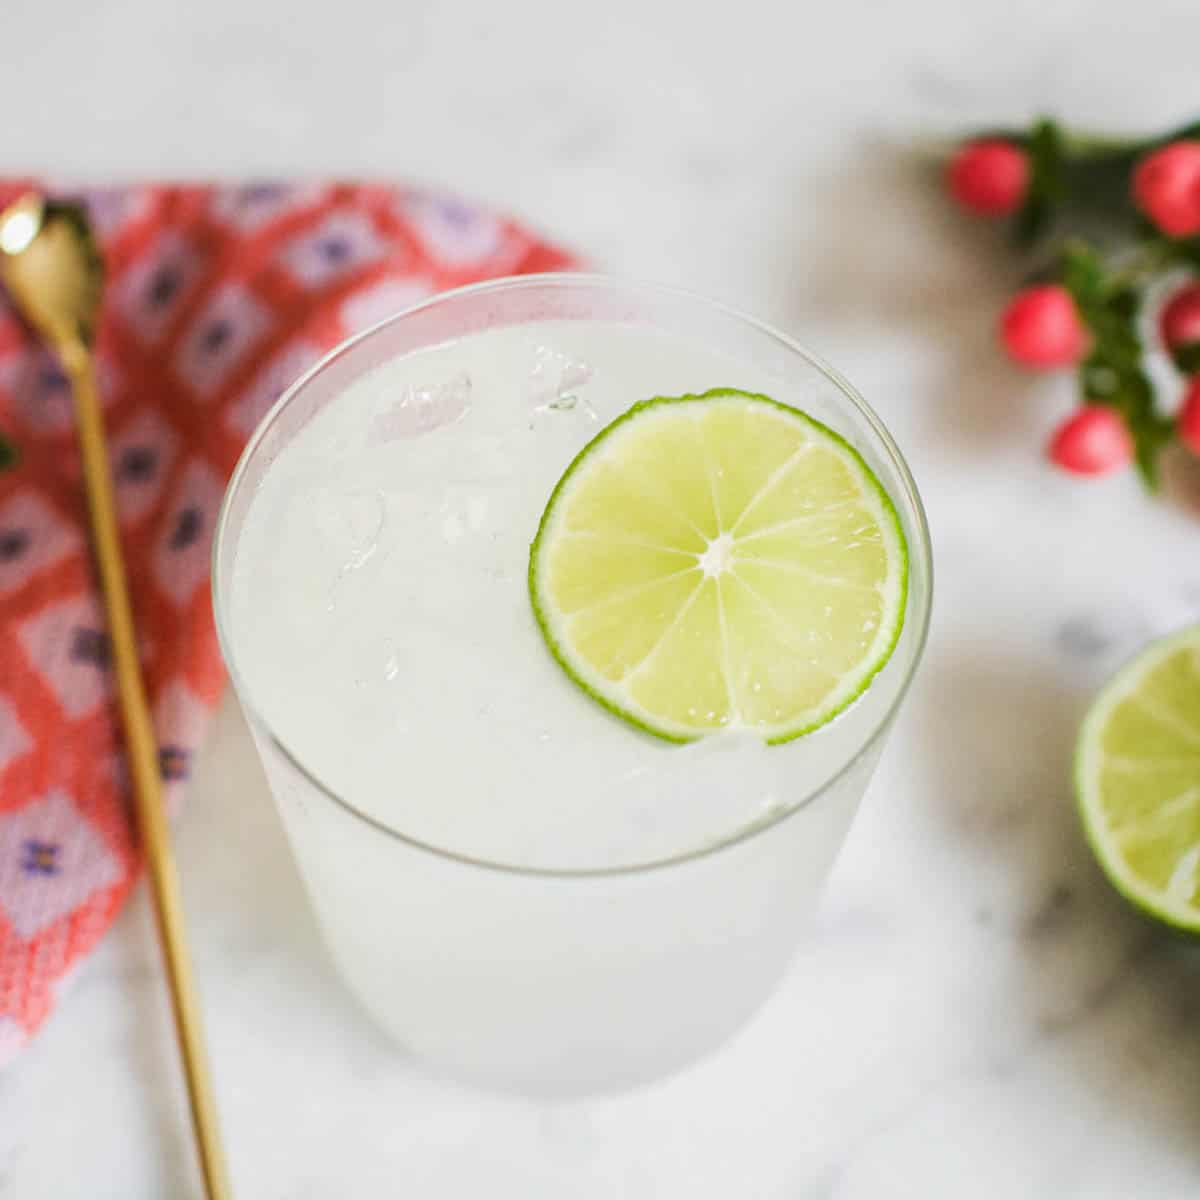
(421, 409)
(349, 522)
(555, 380)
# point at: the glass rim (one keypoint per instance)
(921, 554)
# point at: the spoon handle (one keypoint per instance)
(142, 752)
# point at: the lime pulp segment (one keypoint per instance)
(1138, 780)
(720, 561)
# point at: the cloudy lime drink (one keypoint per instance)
(568, 616)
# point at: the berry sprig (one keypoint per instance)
(1139, 205)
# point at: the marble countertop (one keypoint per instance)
(973, 1012)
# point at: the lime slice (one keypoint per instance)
(1137, 773)
(719, 561)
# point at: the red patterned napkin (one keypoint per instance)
(217, 298)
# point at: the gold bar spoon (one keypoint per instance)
(51, 268)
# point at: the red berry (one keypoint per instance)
(1041, 328)
(1092, 441)
(1179, 321)
(1187, 424)
(988, 177)
(1166, 187)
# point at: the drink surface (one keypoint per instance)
(381, 616)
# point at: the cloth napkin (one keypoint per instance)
(217, 298)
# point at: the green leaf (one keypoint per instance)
(1149, 438)
(1044, 147)
(1187, 250)
(1187, 358)
(1125, 303)
(8, 454)
(1083, 276)
(1112, 374)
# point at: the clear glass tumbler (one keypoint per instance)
(573, 980)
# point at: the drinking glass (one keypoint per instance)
(561, 980)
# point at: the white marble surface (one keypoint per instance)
(973, 1014)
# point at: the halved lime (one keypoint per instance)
(720, 561)
(1137, 774)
